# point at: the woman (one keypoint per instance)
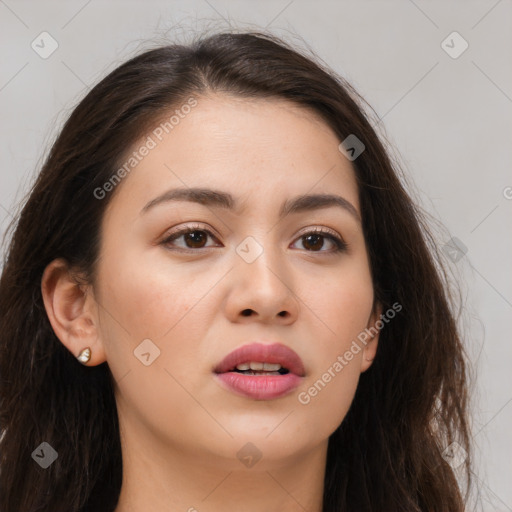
(218, 295)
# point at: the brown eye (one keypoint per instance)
(314, 241)
(193, 238)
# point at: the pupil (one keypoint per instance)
(317, 238)
(198, 235)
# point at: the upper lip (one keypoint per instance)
(264, 353)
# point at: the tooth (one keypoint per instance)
(271, 367)
(263, 374)
(258, 366)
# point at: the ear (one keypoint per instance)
(70, 309)
(372, 340)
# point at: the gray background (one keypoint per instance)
(449, 118)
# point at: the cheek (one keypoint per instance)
(325, 401)
(339, 303)
(343, 304)
(150, 300)
(166, 303)
(166, 306)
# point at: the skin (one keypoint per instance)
(180, 430)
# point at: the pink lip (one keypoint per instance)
(261, 387)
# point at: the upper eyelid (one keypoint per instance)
(306, 230)
(323, 230)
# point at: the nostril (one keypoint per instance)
(246, 312)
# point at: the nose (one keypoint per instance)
(263, 291)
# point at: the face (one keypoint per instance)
(173, 305)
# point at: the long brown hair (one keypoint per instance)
(410, 407)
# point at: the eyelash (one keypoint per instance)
(339, 244)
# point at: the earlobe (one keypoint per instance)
(68, 308)
(370, 349)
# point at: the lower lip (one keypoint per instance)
(260, 387)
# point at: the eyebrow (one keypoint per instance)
(224, 200)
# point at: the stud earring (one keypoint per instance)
(369, 359)
(84, 356)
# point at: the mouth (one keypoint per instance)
(262, 359)
(257, 368)
(260, 372)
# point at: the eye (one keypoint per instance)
(194, 237)
(314, 240)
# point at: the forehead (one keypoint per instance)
(252, 148)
